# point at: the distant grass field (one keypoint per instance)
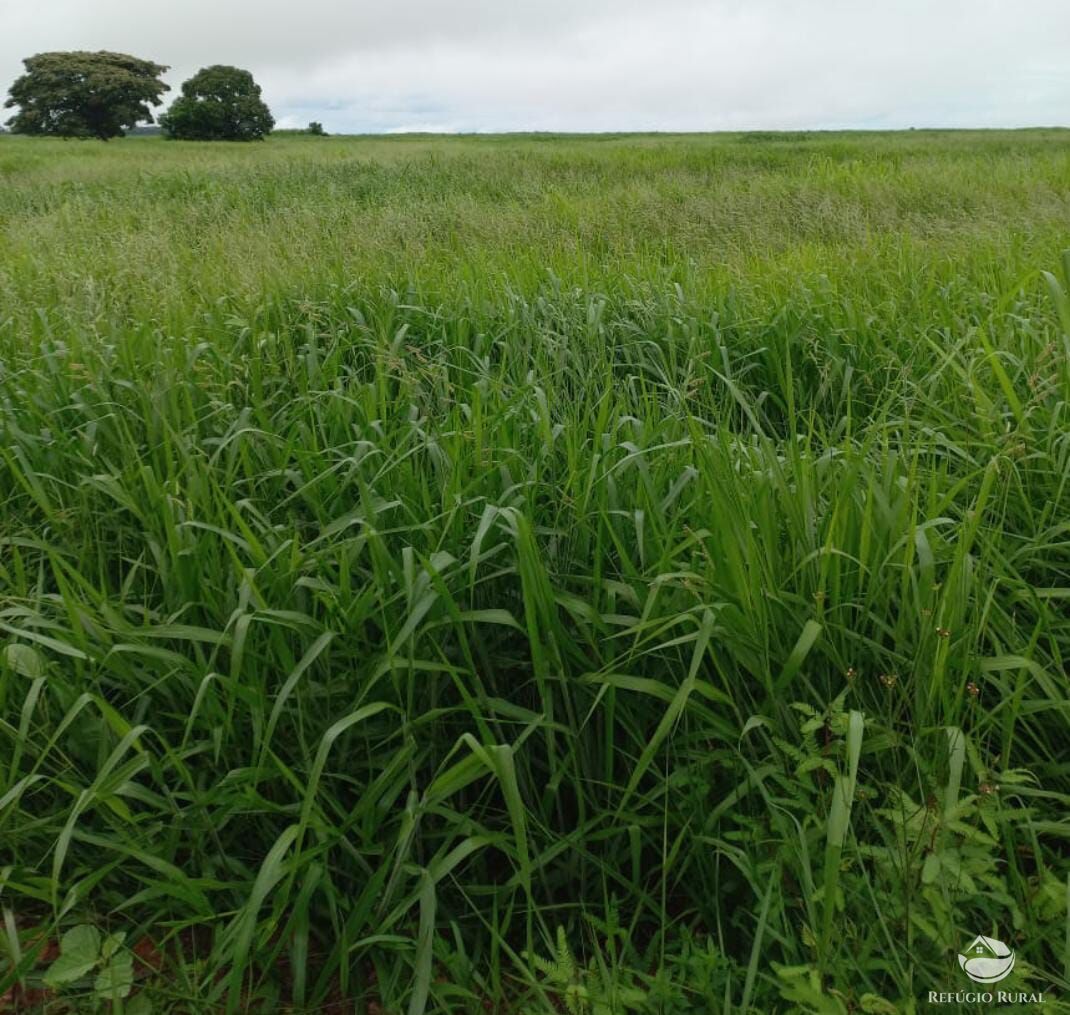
(535, 574)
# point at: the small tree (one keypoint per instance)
(84, 94)
(218, 104)
(316, 128)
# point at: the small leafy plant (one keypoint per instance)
(589, 991)
(98, 964)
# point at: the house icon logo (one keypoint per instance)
(986, 960)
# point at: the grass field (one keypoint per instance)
(532, 574)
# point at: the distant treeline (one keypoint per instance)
(105, 95)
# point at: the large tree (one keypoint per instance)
(84, 94)
(218, 104)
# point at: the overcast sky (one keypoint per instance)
(489, 65)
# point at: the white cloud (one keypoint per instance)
(595, 64)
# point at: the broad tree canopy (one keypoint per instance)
(81, 94)
(218, 104)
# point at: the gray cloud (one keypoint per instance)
(595, 64)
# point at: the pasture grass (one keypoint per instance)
(527, 574)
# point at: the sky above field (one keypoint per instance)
(594, 65)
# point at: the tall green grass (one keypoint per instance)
(609, 575)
